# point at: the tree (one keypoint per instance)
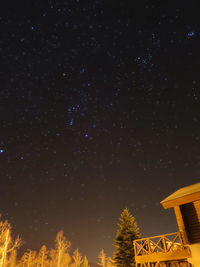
(28, 259)
(62, 247)
(77, 258)
(12, 261)
(66, 259)
(110, 262)
(7, 244)
(53, 257)
(85, 262)
(127, 231)
(42, 257)
(102, 258)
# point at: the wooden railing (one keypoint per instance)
(161, 243)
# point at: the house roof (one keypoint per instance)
(184, 195)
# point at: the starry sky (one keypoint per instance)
(99, 110)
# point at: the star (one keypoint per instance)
(96, 114)
(86, 135)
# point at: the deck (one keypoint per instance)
(162, 248)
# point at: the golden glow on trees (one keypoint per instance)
(59, 256)
(105, 261)
(102, 258)
(85, 262)
(7, 244)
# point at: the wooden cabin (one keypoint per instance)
(175, 249)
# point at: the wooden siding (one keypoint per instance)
(191, 217)
(181, 225)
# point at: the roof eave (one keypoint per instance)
(170, 203)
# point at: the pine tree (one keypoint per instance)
(128, 231)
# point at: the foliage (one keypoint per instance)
(58, 256)
(127, 231)
(85, 262)
(7, 244)
(102, 258)
(110, 262)
(77, 258)
(105, 261)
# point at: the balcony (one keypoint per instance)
(162, 248)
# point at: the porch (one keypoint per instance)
(161, 249)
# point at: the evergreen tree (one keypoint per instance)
(128, 231)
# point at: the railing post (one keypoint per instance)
(164, 243)
(135, 247)
(148, 245)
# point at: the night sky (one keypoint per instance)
(99, 110)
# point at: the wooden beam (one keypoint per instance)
(167, 256)
(181, 224)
